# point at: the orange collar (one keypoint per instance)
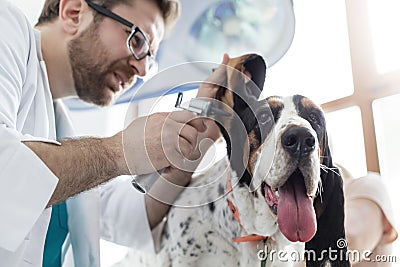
(235, 212)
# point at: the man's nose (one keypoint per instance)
(141, 66)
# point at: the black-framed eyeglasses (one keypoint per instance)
(137, 42)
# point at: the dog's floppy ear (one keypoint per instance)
(245, 81)
(329, 243)
(238, 93)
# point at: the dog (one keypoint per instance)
(277, 187)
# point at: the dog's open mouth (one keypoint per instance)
(295, 211)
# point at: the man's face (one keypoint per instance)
(102, 65)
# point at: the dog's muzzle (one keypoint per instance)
(298, 141)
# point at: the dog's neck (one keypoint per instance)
(255, 215)
(255, 218)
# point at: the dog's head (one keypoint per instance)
(283, 156)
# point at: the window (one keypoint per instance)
(318, 64)
(384, 23)
(387, 124)
(346, 139)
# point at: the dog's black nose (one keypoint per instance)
(298, 141)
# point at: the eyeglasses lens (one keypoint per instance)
(138, 45)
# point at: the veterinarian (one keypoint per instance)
(81, 50)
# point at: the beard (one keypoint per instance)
(90, 68)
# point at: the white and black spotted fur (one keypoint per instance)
(293, 128)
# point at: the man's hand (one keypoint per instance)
(164, 192)
(160, 140)
(182, 174)
(209, 88)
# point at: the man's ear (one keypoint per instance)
(71, 15)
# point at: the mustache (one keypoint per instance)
(125, 70)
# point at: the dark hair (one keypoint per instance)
(170, 10)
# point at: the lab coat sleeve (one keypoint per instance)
(123, 216)
(26, 184)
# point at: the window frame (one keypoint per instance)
(369, 85)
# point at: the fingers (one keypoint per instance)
(188, 127)
(187, 139)
(187, 117)
(179, 136)
(164, 139)
(212, 130)
(209, 88)
(194, 128)
(191, 144)
(195, 138)
(218, 76)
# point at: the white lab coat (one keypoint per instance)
(116, 211)
(26, 114)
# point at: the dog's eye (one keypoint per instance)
(264, 118)
(313, 118)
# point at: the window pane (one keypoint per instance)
(387, 125)
(318, 63)
(385, 21)
(347, 140)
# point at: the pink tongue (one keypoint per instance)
(296, 216)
